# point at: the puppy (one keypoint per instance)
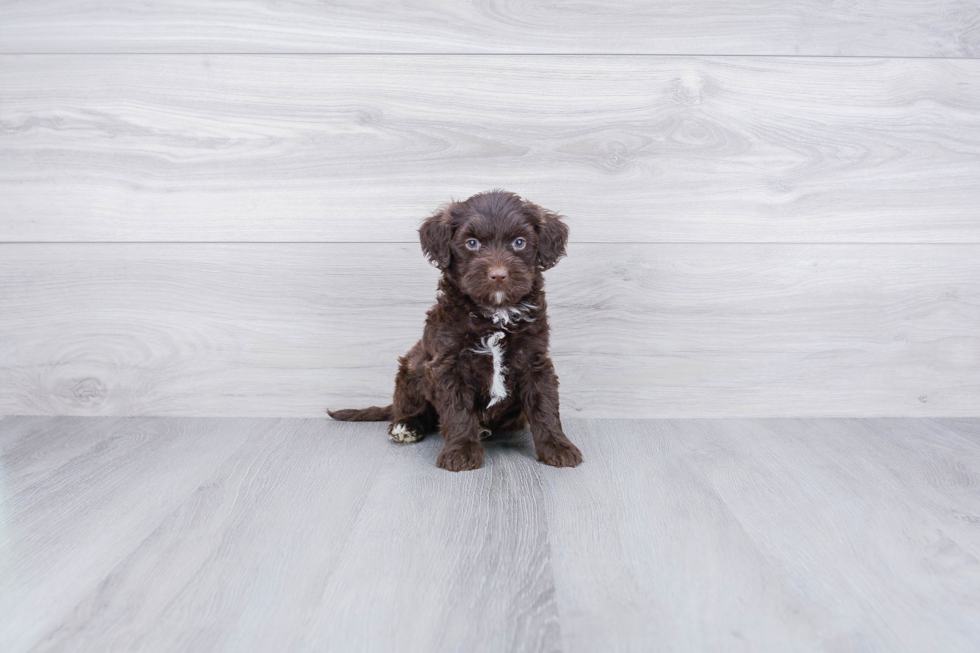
(482, 363)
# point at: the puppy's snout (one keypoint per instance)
(498, 274)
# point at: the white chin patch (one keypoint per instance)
(498, 297)
(401, 433)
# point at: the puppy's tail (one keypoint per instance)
(372, 414)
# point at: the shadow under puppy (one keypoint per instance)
(482, 363)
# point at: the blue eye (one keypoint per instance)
(472, 243)
(520, 243)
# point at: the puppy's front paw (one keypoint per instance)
(403, 433)
(461, 457)
(558, 452)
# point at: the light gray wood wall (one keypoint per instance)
(195, 198)
(360, 148)
(645, 329)
(911, 28)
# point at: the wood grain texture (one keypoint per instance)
(445, 562)
(638, 330)
(255, 546)
(362, 148)
(199, 534)
(934, 28)
(646, 556)
(33, 449)
(894, 560)
(768, 535)
(75, 519)
(314, 536)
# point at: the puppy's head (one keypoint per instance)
(493, 244)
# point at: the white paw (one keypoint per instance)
(401, 433)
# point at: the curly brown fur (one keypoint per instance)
(492, 249)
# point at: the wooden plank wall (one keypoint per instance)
(210, 208)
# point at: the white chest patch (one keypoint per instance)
(492, 346)
(512, 314)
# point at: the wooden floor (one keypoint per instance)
(200, 534)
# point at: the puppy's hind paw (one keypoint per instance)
(403, 433)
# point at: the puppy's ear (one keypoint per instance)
(435, 234)
(552, 236)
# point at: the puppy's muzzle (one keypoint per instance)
(498, 275)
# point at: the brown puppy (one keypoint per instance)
(482, 363)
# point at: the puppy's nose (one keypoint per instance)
(498, 275)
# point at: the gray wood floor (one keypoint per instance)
(290, 534)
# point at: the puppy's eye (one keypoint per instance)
(472, 243)
(520, 243)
